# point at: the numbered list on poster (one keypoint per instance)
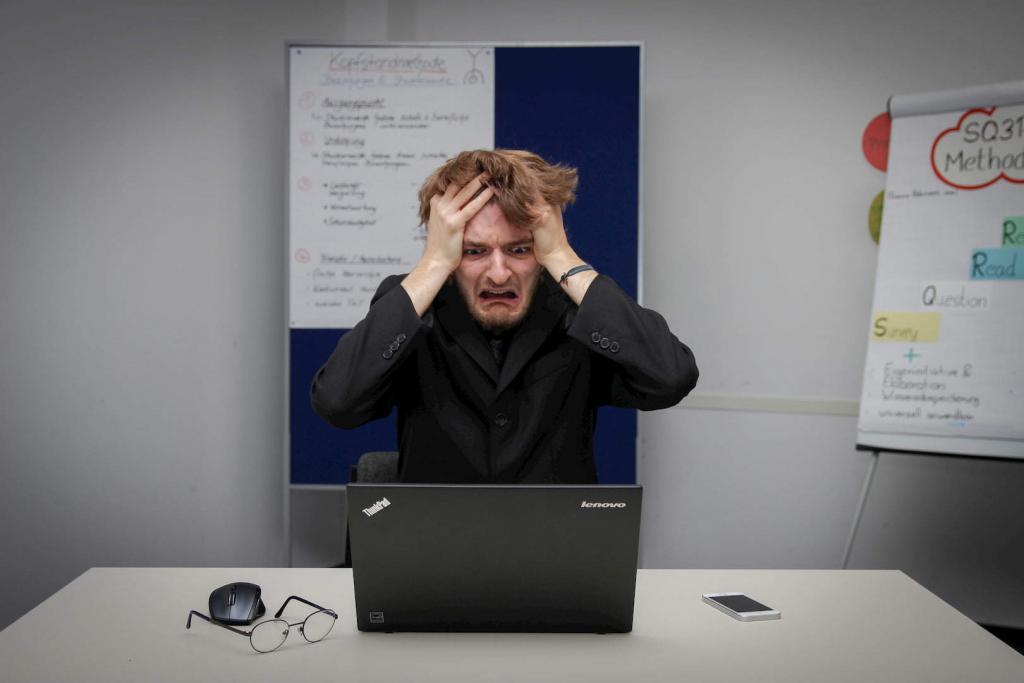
(367, 126)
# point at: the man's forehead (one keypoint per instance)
(489, 226)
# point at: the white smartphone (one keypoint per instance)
(739, 606)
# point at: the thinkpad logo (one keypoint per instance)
(585, 504)
(376, 507)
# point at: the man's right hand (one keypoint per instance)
(449, 214)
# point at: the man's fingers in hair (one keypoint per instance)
(471, 189)
(450, 191)
(477, 203)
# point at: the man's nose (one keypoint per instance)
(497, 268)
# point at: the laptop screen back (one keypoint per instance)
(430, 557)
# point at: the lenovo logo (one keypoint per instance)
(376, 507)
(585, 504)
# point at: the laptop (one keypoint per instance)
(438, 557)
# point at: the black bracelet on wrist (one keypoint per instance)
(572, 271)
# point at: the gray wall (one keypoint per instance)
(142, 270)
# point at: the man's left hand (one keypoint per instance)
(552, 250)
(550, 243)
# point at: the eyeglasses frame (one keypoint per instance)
(277, 617)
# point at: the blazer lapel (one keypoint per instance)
(545, 313)
(457, 322)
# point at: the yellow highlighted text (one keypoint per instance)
(902, 326)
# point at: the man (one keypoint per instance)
(501, 343)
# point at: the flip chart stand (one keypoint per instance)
(872, 466)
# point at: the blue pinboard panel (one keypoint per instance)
(581, 106)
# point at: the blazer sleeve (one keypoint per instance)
(639, 362)
(357, 383)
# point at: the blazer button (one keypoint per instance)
(605, 343)
(596, 337)
(387, 354)
(393, 346)
(401, 337)
(614, 348)
(501, 419)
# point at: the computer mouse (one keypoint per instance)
(237, 603)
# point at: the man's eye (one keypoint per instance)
(520, 251)
(472, 252)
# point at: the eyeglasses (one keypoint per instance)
(269, 635)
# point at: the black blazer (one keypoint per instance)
(462, 419)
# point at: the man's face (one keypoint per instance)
(498, 273)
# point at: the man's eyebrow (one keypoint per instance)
(480, 245)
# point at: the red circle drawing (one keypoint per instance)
(875, 141)
(948, 131)
(302, 256)
(304, 183)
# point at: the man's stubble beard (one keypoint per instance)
(495, 325)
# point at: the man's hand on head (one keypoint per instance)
(550, 243)
(553, 252)
(449, 214)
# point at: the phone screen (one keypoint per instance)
(740, 603)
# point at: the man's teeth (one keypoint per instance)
(493, 294)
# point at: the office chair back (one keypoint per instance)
(376, 467)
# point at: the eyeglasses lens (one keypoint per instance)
(318, 625)
(269, 635)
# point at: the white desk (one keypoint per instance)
(860, 626)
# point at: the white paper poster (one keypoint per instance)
(367, 125)
(945, 359)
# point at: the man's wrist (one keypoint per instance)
(576, 285)
(435, 268)
(424, 282)
(559, 264)
(575, 270)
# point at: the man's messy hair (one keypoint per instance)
(522, 182)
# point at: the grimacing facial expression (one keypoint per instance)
(498, 274)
